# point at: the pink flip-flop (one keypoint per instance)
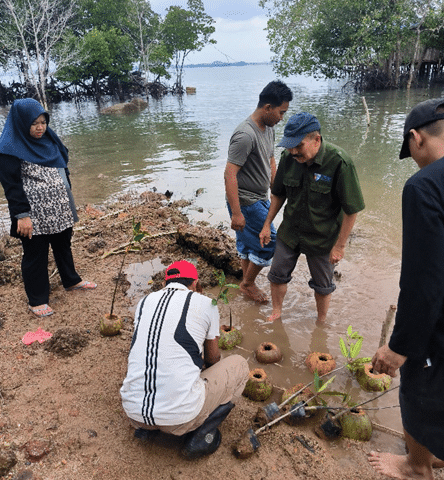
(39, 336)
(85, 285)
(44, 311)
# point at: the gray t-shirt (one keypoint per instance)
(251, 149)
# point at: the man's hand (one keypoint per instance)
(24, 227)
(387, 361)
(336, 254)
(265, 236)
(237, 221)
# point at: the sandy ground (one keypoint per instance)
(61, 415)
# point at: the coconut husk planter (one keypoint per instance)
(268, 352)
(229, 337)
(305, 396)
(110, 325)
(356, 425)
(322, 362)
(372, 382)
(258, 387)
(331, 427)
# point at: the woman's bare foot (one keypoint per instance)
(274, 316)
(254, 292)
(395, 466)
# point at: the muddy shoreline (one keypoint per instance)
(61, 416)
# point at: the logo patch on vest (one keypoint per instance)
(324, 178)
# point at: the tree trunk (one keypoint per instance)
(415, 56)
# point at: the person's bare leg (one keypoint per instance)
(278, 291)
(322, 304)
(248, 284)
(417, 464)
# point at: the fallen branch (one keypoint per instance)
(123, 248)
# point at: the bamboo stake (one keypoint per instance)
(367, 113)
(386, 325)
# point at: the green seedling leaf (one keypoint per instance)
(214, 301)
(343, 348)
(326, 384)
(355, 336)
(349, 330)
(356, 348)
(231, 285)
(316, 381)
(139, 237)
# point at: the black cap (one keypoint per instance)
(421, 115)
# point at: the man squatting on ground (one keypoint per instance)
(416, 345)
(249, 172)
(165, 388)
(319, 182)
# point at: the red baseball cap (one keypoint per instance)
(181, 269)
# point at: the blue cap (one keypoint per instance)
(298, 126)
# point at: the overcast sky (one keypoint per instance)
(239, 31)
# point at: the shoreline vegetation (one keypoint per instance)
(61, 410)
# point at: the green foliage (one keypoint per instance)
(223, 287)
(184, 31)
(337, 37)
(350, 349)
(102, 54)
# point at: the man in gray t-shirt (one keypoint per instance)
(249, 173)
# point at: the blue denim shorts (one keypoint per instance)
(247, 241)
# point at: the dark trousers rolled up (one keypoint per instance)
(35, 264)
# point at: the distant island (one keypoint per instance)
(218, 63)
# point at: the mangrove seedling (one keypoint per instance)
(350, 349)
(223, 287)
(229, 336)
(137, 236)
(320, 388)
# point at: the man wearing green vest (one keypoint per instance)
(318, 181)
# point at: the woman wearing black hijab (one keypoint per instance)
(35, 178)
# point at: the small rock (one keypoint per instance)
(25, 475)
(91, 433)
(96, 245)
(36, 449)
(7, 460)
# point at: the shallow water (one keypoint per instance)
(297, 334)
(180, 144)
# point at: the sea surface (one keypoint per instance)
(180, 144)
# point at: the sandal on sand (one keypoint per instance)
(82, 286)
(44, 311)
